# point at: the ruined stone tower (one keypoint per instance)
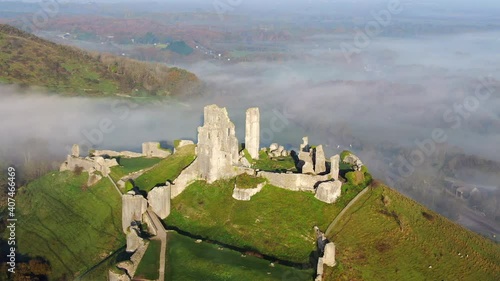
(252, 132)
(217, 145)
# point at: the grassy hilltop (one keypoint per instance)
(382, 236)
(28, 60)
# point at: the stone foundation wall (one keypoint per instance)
(159, 200)
(133, 206)
(111, 153)
(295, 182)
(245, 194)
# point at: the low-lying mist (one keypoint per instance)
(405, 106)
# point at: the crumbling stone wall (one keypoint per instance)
(159, 200)
(245, 194)
(89, 164)
(319, 160)
(335, 166)
(296, 182)
(217, 145)
(153, 149)
(133, 206)
(252, 132)
(182, 143)
(311, 160)
(111, 153)
(354, 161)
(329, 255)
(185, 178)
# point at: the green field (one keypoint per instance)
(71, 226)
(150, 263)
(130, 165)
(187, 260)
(167, 169)
(387, 236)
(276, 222)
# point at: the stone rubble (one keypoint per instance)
(335, 166)
(328, 191)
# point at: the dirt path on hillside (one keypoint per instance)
(346, 208)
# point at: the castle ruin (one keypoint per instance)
(217, 145)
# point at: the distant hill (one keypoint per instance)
(387, 236)
(28, 60)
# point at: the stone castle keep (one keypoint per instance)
(218, 156)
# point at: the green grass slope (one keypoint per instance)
(130, 165)
(72, 227)
(167, 169)
(31, 61)
(387, 236)
(187, 260)
(150, 263)
(275, 222)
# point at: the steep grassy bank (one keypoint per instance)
(167, 169)
(71, 226)
(387, 236)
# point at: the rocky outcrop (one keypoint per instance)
(329, 255)
(329, 191)
(133, 206)
(295, 182)
(159, 200)
(245, 194)
(252, 132)
(153, 149)
(186, 177)
(217, 145)
(334, 167)
(319, 160)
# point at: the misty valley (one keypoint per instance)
(249, 140)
